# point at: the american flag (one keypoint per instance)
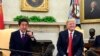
(74, 11)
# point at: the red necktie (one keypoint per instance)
(70, 45)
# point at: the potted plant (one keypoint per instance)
(17, 18)
(48, 19)
(35, 19)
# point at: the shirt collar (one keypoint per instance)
(70, 32)
(22, 32)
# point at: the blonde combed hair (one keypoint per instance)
(72, 19)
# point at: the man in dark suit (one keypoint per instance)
(70, 41)
(97, 42)
(22, 39)
(94, 12)
(95, 49)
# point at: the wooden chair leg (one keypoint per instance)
(1, 53)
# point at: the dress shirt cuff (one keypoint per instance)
(64, 55)
(32, 39)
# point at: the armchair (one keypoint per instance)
(4, 40)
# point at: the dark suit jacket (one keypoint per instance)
(62, 43)
(93, 15)
(97, 41)
(17, 44)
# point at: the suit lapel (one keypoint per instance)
(66, 38)
(75, 38)
(19, 37)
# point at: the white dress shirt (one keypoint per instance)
(24, 34)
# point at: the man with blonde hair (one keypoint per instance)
(70, 41)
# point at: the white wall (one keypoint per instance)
(57, 8)
(86, 28)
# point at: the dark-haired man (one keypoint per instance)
(95, 49)
(22, 39)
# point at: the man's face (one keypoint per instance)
(23, 26)
(71, 25)
(93, 4)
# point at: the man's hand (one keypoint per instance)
(30, 34)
